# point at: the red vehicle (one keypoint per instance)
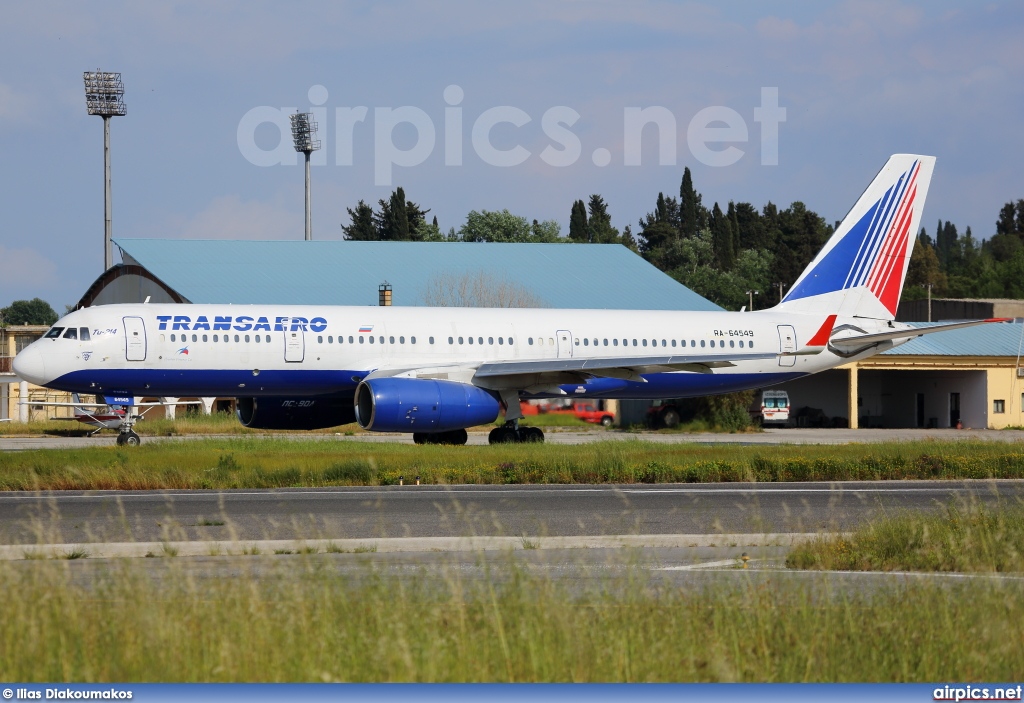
(588, 412)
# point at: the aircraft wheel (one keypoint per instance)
(532, 434)
(458, 437)
(502, 435)
(131, 439)
(419, 437)
(120, 440)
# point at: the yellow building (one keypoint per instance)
(13, 389)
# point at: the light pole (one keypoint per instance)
(752, 293)
(303, 131)
(104, 96)
(780, 286)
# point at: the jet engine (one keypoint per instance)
(422, 405)
(308, 413)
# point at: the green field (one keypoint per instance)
(295, 619)
(963, 538)
(267, 462)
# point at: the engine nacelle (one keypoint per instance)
(422, 405)
(310, 413)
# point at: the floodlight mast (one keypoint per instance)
(303, 131)
(104, 96)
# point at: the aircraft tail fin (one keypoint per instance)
(860, 270)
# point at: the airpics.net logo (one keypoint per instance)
(714, 135)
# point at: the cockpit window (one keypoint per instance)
(54, 332)
(72, 333)
(83, 334)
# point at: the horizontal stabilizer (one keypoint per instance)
(865, 340)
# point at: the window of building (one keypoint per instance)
(998, 406)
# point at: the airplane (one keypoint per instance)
(436, 371)
(105, 416)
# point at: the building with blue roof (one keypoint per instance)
(349, 273)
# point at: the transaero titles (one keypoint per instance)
(242, 323)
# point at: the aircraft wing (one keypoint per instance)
(625, 367)
(866, 340)
(54, 404)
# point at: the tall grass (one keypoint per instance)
(304, 622)
(253, 462)
(963, 538)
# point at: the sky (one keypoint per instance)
(525, 105)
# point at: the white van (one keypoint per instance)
(774, 408)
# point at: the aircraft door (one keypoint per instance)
(787, 345)
(294, 344)
(564, 338)
(134, 339)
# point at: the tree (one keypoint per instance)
(689, 206)
(924, 271)
(361, 227)
(488, 226)
(599, 224)
(546, 232)
(478, 289)
(578, 223)
(28, 312)
(721, 231)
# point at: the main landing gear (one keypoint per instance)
(512, 432)
(452, 437)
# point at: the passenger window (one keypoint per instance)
(381, 338)
(246, 338)
(205, 339)
(371, 339)
(586, 342)
(72, 333)
(693, 342)
(413, 340)
(750, 344)
(615, 342)
(172, 337)
(319, 339)
(451, 340)
(501, 340)
(606, 342)
(361, 340)
(391, 340)
(267, 339)
(480, 340)
(195, 338)
(351, 339)
(645, 342)
(83, 334)
(741, 344)
(401, 340)
(551, 341)
(460, 340)
(236, 338)
(673, 342)
(540, 341)
(665, 345)
(162, 338)
(702, 343)
(490, 340)
(470, 340)
(510, 340)
(732, 343)
(576, 341)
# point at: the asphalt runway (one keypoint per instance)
(555, 435)
(467, 511)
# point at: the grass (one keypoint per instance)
(962, 539)
(267, 462)
(300, 621)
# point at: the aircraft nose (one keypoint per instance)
(29, 365)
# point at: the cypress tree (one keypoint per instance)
(721, 233)
(578, 223)
(689, 201)
(599, 225)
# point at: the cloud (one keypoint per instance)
(230, 217)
